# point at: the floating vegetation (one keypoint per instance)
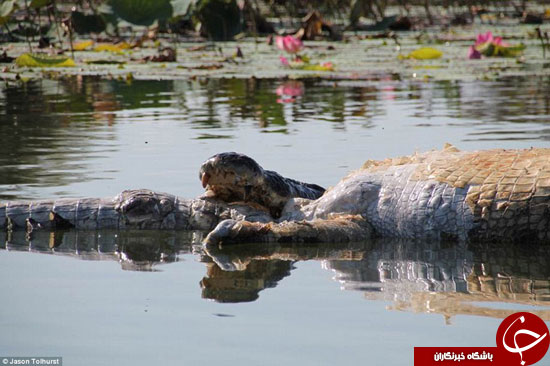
(40, 60)
(489, 46)
(84, 45)
(111, 38)
(110, 47)
(424, 53)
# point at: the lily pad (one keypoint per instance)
(110, 47)
(424, 53)
(494, 50)
(318, 67)
(81, 46)
(39, 60)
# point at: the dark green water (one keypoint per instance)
(149, 298)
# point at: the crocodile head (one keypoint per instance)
(230, 176)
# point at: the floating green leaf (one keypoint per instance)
(142, 12)
(111, 47)
(317, 67)
(491, 49)
(81, 46)
(425, 53)
(39, 60)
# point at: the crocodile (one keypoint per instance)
(238, 188)
(449, 194)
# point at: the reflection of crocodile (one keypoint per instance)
(135, 250)
(493, 194)
(419, 276)
(450, 279)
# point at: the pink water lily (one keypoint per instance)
(284, 61)
(497, 41)
(328, 65)
(488, 37)
(488, 45)
(289, 44)
(484, 38)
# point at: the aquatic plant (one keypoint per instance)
(489, 46)
(303, 63)
(544, 39)
(289, 44)
(219, 19)
(293, 45)
(41, 60)
(423, 53)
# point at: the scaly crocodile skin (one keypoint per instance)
(449, 193)
(131, 209)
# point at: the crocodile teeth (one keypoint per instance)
(204, 179)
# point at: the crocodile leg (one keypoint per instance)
(340, 229)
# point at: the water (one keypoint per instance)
(142, 298)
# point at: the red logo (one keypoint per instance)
(525, 336)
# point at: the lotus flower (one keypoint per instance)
(329, 66)
(289, 44)
(289, 90)
(484, 38)
(284, 61)
(497, 41)
(488, 45)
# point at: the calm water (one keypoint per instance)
(145, 298)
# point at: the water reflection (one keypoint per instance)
(288, 91)
(134, 250)
(245, 285)
(431, 277)
(57, 133)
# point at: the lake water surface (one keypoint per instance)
(140, 298)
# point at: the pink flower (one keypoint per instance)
(487, 45)
(473, 53)
(484, 38)
(497, 41)
(328, 65)
(284, 61)
(290, 89)
(288, 44)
